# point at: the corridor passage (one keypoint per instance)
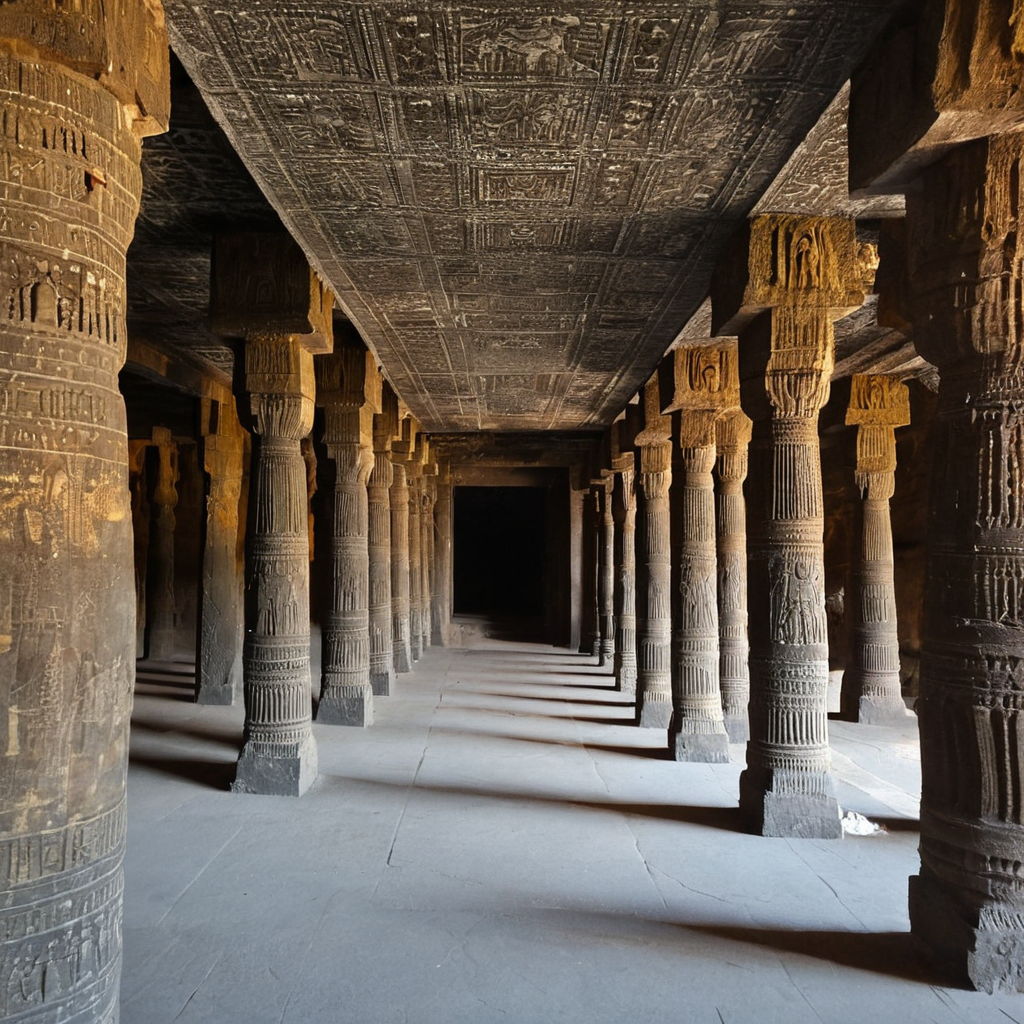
(504, 845)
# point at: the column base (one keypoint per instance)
(702, 747)
(655, 714)
(403, 656)
(216, 694)
(607, 655)
(416, 650)
(980, 944)
(346, 705)
(881, 711)
(737, 727)
(790, 805)
(276, 776)
(382, 683)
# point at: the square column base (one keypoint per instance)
(879, 711)
(276, 776)
(737, 728)
(790, 805)
(703, 747)
(382, 683)
(655, 714)
(981, 945)
(346, 705)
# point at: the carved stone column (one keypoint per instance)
(732, 438)
(382, 658)
(139, 486)
(79, 85)
(624, 511)
(606, 571)
(871, 684)
(221, 608)
(427, 549)
(415, 473)
(348, 389)
(577, 549)
(441, 605)
(160, 602)
(780, 288)
(401, 454)
(965, 260)
(264, 291)
(654, 650)
(698, 384)
(591, 636)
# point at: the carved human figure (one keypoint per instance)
(348, 389)
(871, 683)
(654, 646)
(784, 323)
(67, 606)
(732, 438)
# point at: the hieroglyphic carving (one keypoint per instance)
(278, 753)
(699, 383)
(160, 604)
(379, 509)
(67, 645)
(654, 647)
(789, 279)
(732, 436)
(221, 614)
(965, 273)
(871, 684)
(559, 148)
(349, 389)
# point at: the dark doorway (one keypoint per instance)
(499, 542)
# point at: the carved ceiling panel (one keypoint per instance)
(519, 209)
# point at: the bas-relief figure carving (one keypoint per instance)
(66, 617)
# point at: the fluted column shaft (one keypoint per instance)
(698, 732)
(400, 570)
(625, 584)
(733, 438)
(654, 648)
(278, 752)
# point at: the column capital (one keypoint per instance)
(878, 405)
(699, 383)
(262, 286)
(122, 46)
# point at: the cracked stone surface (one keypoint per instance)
(503, 846)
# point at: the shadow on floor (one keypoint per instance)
(652, 753)
(214, 774)
(564, 700)
(897, 954)
(227, 738)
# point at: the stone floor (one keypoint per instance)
(503, 845)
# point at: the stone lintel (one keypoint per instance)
(261, 284)
(777, 260)
(123, 46)
(953, 75)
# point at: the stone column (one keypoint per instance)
(871, 685)
(576, 570)
(264, 291)
(441, 604)
(427, 549)
(79, 86)
(965, 259)
(382, 658)
(590, 642)
(348, 389)
(221, 609)
(732, 438)
(160, 603)
(698, 383)
(401, 454)
(781, 287)
(654, 649)
(139, 487)
(625, 578)
(414, 471)
(606, 571)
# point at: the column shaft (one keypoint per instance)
(400, 570)
(606, 577)
(382, 660)
(160, 601)
(426, 561)
(625, 585)
(415, 567)
(441, 607)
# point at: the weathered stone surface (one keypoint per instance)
(67, 644)
(590, 642)
(401, 454)
(160, 603)
(221, 608)
(518, 207)
(789, 279)
(441, 604)
(654, 647)
(964, 262)
(622, 459)
(871, 684)
(349, 390)
(606, 573)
